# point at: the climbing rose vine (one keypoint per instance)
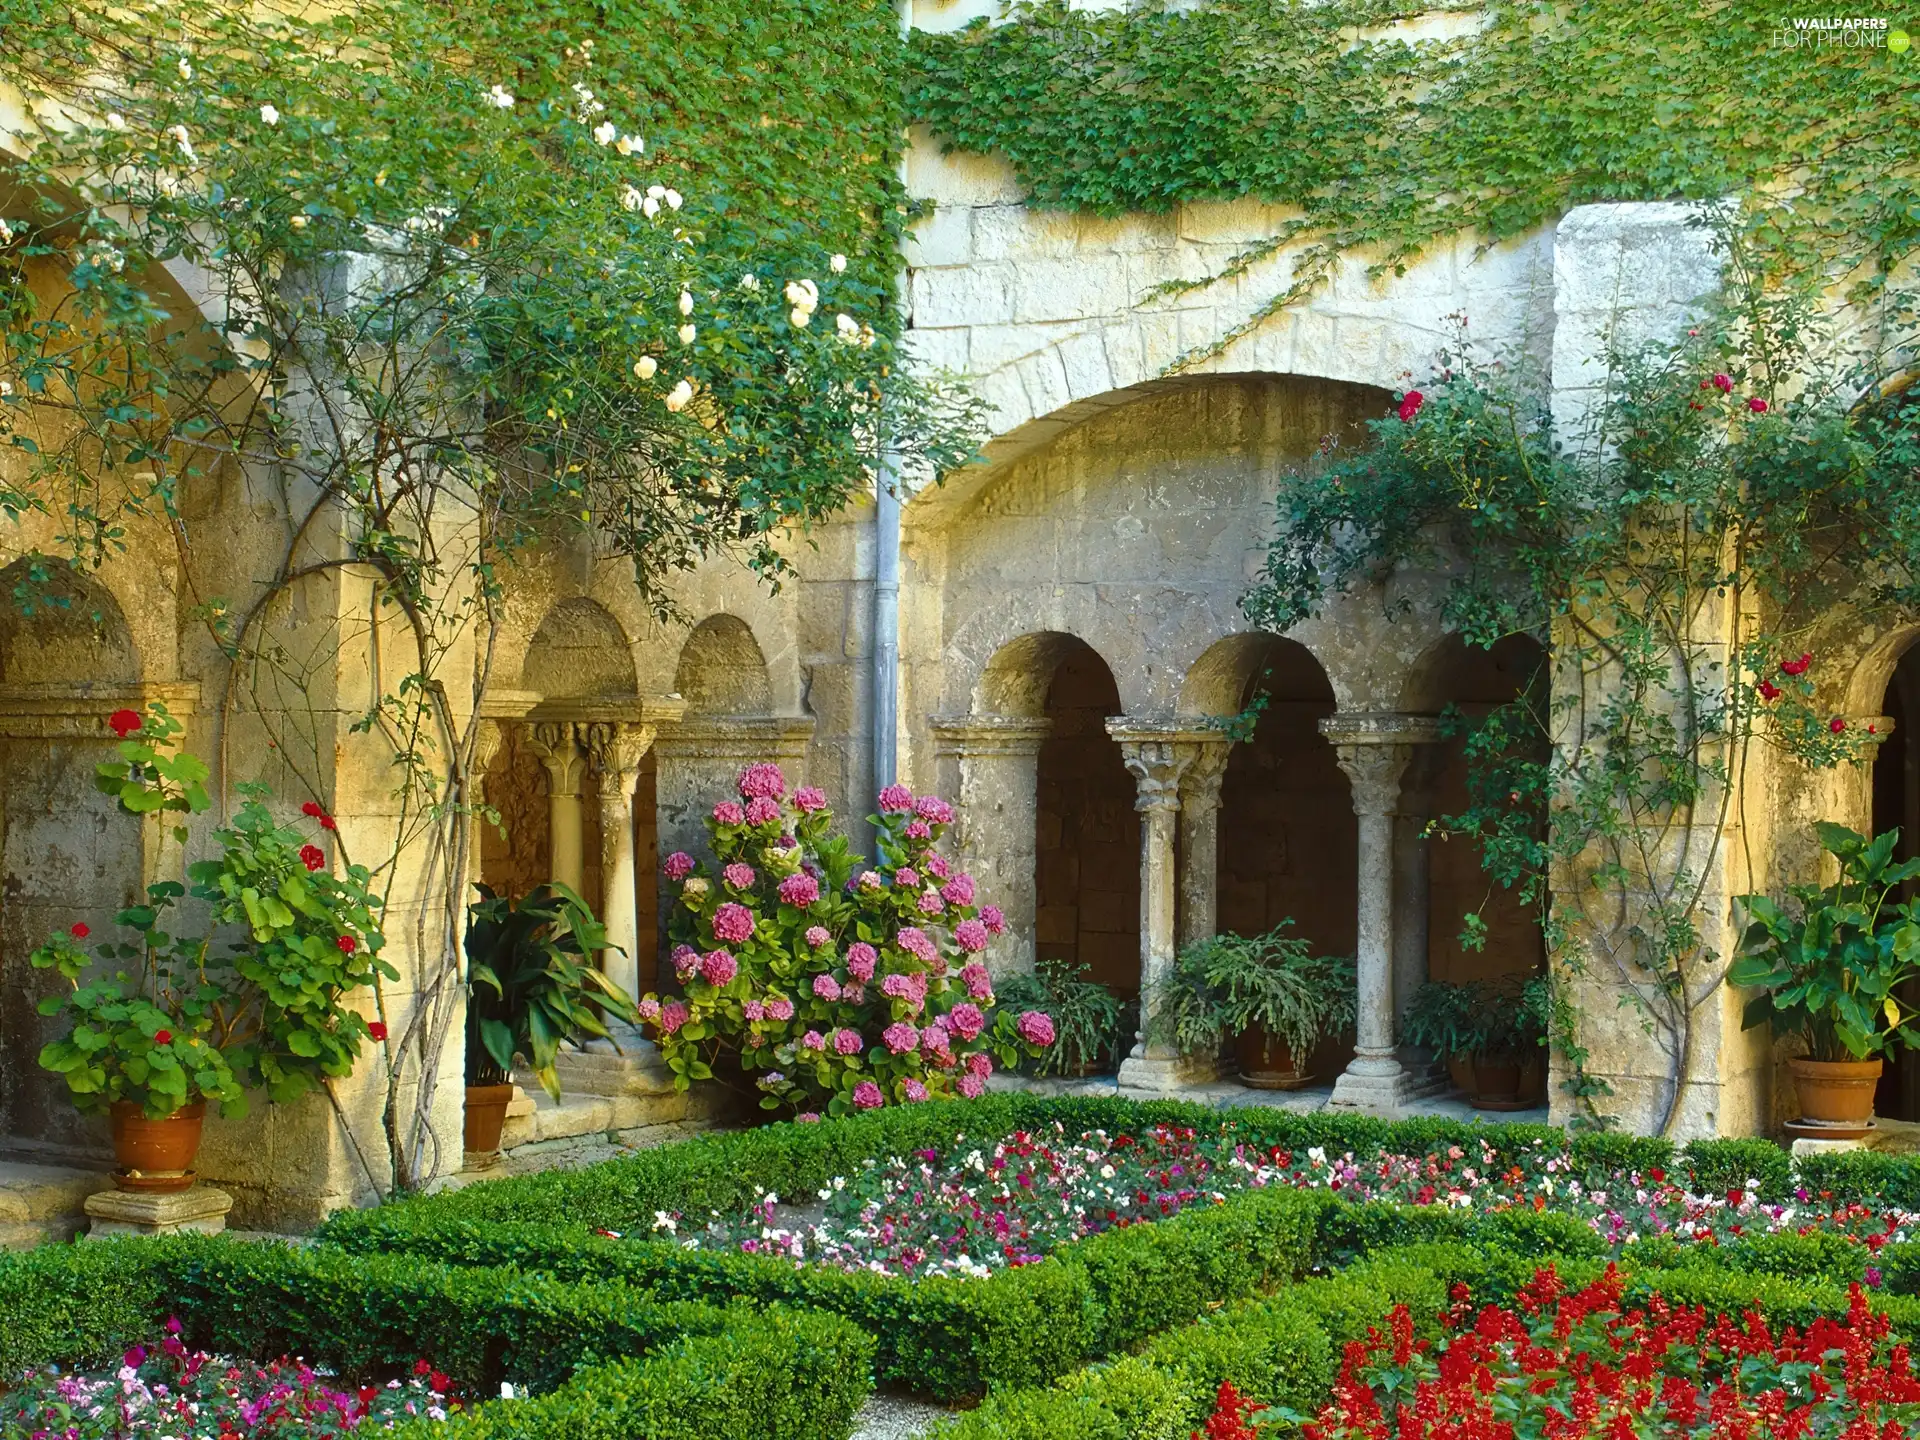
(847, 988)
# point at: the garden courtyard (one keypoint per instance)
(779, 720)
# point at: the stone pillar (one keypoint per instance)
(1412, 890)
(1374, 750)
(1157, 763)
(615, 750)
(990, 766)
(488, 736)
(1200, 838)
(559, 749)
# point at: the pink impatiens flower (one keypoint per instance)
(678, 866)
(861, 958)
(895, 800)
(867, 1096)
(817, 935)
(900, 1037)
(733, 923)
(738, 875)
(718, 967)
(970, 936)
(728, 812)
(762, 782)
(809, 798)
(966, 1021)
(799, 890)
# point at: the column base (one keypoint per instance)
(1382, 1094)
(1166, 1074)
(597, 1069)
(199, 1211)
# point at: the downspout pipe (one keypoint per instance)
(886, 559)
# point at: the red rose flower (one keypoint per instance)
(1797, 667)
(1410, 404)
(79, 930)
(326, 822)
(312, 810)
(1723, 383)
(1769, 690)
(1837, 724)
(1756, 405)
(377, 1029)
(312, 856)
(124, 722)
(163, 1037)
(347, 944)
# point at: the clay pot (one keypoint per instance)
(156, 1154)
(486, 1115)
(1266, 1063)
(1836, 1092)
(1496, 1083)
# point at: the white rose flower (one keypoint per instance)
(686, 333)
(656, 191)
(678, 397)
(604, 132)
(630, 198)
(686, 302)
(181, 138)
(6, 388)
(269, 115)
(630, 144)
(186, 70)
(645, 367)
(847, 328)
(299, 222)
(673, 198)
(6, 232)
(750, 281)
(800, 318)
(803, 294)
(650, 207)
(838, 264)
(500, 98)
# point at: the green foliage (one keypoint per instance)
(1717, 1166)
(1479, 1017)
(1087, 1029)
(1227, 985)
(1832, 974)
(534, 982)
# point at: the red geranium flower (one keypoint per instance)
(163, 1037)
(1410, 404)
(79, 930)
(312, 856)
(377, 1029)
(347, 944)
(326, 822)
(124, 722)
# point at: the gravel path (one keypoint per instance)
(896, 1417)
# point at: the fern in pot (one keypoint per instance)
(1087, 1017)
(1270, 994)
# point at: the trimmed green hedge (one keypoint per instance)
(372, 1316)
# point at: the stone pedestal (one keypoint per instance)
(596, 1068)
(199, 1211)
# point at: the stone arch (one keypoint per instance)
(1017, 678)
(58, 626)
(1232, 670)
(722, 670)
(579, 653)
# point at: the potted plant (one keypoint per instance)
(1492, 1035)
(1270, 993)
(184, 1015)
(1832, 974)
(1086, 1015)
(532, 986)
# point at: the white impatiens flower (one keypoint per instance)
(645, 366)
(678, 397)
(630, 198)
(686, 302)
(116, 121)
(838, 264)
(500, 98)
(750, 281)
(186, 70)
(269, 115)
(604, 132)
(183, 140)
(686, 333)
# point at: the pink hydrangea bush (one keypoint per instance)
(841, 987)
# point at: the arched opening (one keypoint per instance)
(67, 852)
(722, 671)
(1896, 802)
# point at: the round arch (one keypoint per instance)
(722, 670)
(579, 652)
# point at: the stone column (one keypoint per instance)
(615, 750)
(1157, 764)
(990, 766)
(1200, 838)
(1373, 750)
(1412, 887)
(559, 749)
(488, 736)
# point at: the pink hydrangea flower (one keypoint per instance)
(779, 1007)
(966, 1021)
(970, 936)
(869, 881)
(826, 988)
(718, 967)
(816, 936)
(861, 958)
(906, 878)
(673, 1015)
(678, 866)
(900, 1037)
(649, 1009)
(728, 812)
(974, 976)
(852, 994)
(809, 798)
(918, 830)
(867, 1096)
(762, 782)
(934, 1040)
(686, 962)
(754, 1010)
(799, 890)
(980, 1063)
(915, 942)
(738, 875)
(895, 800)
(807, 1117)
(897, 986)
(936, 864)
(847, 1042)
(913, 1090)
(959, 890)
(934, 810)
(762, 811)
(971, 1086)
(993, 919)
(1035, 1027)
(928, 902)
(813, 1040)
(733, 923)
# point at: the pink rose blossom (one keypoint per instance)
(913, 1090)
(966, 1021)
(733, 923)
(779, 1007)
(896, 800)
(762, 782)
(971, 1086)
(929, 902)
(993, 919)
(649, 1009)
(809, 798)
(848, 1042)
(728, 812)
(970, 936)
(826, 988)
(867, 1096)
(959, 890)
(980, 1063)
(861, 959)
(678, 866)
(718, 967)
(799, 890)
(934, 810)
(936, 863)
(918, 830)
(816, 936)
(813, 1040)
(762, 811)
(974, 976)
(686, 962)
(900, 1037)
(1035, 1027)
(673, 1015)
(739, 876)
(915, 942)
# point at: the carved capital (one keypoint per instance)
(559, 750)
(1156, 766)
(1200, 785)
(615, 750)
(1374, 771)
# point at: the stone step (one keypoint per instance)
(575, 1115)
(39, 1203)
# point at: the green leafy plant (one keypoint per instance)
(1480, 1019)
(533, 984)
(1088, 1018)
(1833, 974)
(186, 1013)
(1229, 984)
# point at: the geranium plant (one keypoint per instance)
(251, 988)
(846, 987)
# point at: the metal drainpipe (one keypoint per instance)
(886, 565)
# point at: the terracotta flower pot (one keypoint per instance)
(486, 1115)
(1496, 1083)
(156, 1154)
(1266, 1063)
(1836, 1092)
